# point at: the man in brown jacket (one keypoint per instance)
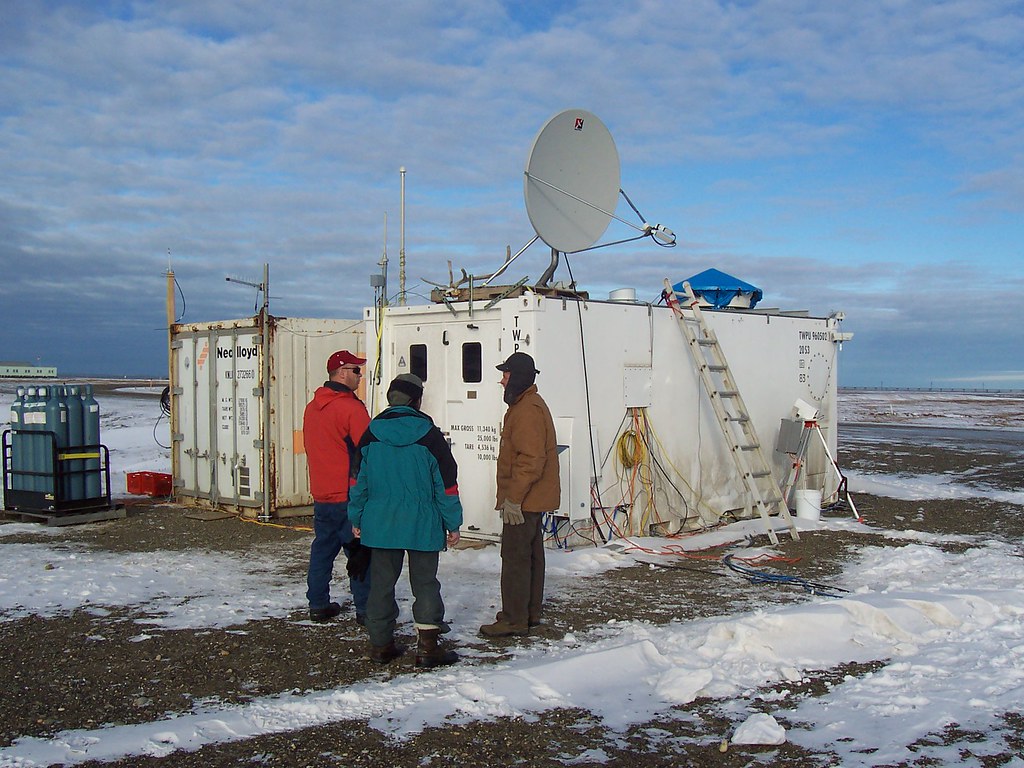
(528, 486)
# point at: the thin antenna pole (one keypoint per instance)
(171, 383)
(265, 444)
(269, 494)
(384, 263)
(401, 253)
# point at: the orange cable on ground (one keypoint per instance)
(673, 551)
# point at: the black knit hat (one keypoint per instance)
(404, 389)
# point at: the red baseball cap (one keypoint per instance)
(343, 357)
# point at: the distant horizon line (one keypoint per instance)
(842, 387)
(992, 390)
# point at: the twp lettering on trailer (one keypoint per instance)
(517, 334)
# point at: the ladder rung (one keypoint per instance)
(761, 473)
(707, 342)
(718, 368)
(749, 447)
(738, 419)
(728, 393)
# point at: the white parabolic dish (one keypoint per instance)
(571, 183)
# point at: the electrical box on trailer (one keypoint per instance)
(790, 432)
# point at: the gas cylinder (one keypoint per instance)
(32, 417)
(75, 481)
(18, 481)
(56, 411)
(91, 437)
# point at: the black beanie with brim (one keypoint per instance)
(405, 389)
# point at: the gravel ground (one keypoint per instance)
(54, 679)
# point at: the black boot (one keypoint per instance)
(428, 654)
(324, 614)
(382, 654)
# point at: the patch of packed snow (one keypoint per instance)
(946, 627)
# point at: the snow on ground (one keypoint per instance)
(921, 487)
(932, 409)
(950, 627)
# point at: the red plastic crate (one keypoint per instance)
(149, 483)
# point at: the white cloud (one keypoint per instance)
(781, 140)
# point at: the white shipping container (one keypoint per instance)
(221, 418)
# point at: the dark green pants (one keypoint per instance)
(522, 571)
(382, 608)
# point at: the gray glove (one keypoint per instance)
(512, 513)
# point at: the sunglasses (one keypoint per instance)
(357, 370)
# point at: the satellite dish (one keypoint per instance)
(571, 184)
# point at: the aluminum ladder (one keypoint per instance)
(763, 492)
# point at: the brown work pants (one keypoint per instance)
(522, 571)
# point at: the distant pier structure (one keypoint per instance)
(26, 371)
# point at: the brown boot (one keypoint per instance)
(502, 616)
(382, 654)
(429, 654)
(503, 628)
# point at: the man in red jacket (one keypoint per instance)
(332, 426)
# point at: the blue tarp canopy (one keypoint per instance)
(719, 289)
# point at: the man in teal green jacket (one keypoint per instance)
(406, 499)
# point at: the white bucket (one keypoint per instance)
(808, 504)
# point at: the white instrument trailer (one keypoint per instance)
(640, 450)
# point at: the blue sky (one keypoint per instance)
(863, 157)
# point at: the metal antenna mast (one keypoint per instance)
(383, 264)
(264, 388)
(401, 253)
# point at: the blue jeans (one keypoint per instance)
(332, 532)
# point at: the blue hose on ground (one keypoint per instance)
(754, 576)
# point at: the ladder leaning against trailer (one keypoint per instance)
(763, 492)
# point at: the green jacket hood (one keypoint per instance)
(400, 425)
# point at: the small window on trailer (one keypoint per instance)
(418, 360)
(472, 362)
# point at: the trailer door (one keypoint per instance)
(456, 360)
(192, 442)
